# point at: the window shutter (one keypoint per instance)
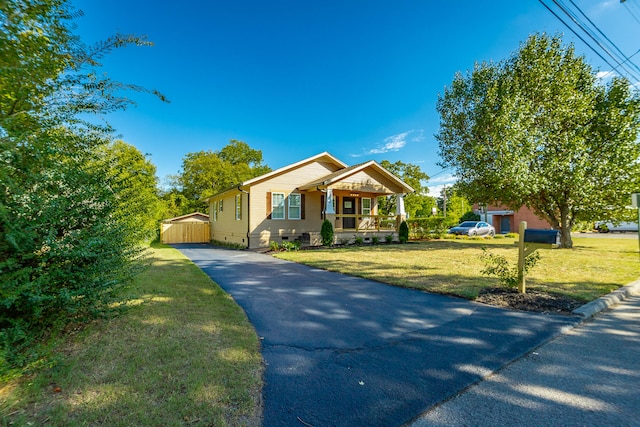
(337, 204)
(269, 206)
(302, 206)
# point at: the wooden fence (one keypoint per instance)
(185, 232)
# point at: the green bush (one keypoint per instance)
(76, 207)
(289, 246)
(470, 216)
(358, 240)
(388, 238)
(403, 232)
(375, 240)
(497, 265)
(326, 233)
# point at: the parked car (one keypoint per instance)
(474, 228)
(607, 226)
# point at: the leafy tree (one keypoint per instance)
(412, 175)
(540, 130)
(173, 204)
(69, 235)
(456, 205)
(205, 173)
(132, 178)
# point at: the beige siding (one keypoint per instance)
(369, 180)
(226, 228)
(263, 230)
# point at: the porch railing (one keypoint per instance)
(363, 223)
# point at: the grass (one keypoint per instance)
(594, 267)
(183, 354)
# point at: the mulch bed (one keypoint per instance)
(532, 300)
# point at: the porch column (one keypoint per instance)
(329, 208)
(401, 215)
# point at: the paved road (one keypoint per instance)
(347, 351)
(587, 377)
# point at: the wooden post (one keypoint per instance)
(522, 287)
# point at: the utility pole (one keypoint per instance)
(444, 200)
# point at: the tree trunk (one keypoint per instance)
(565, 229)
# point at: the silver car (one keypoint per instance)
(474, 228)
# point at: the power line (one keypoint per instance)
(631, 12)
(575, 33)
(589, 33)
(619, 59)
(623, 56)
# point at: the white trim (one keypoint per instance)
(299, 206)
(274, 206)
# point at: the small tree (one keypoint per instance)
(403, 232)
(326, 233)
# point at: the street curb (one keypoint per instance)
(596, 306)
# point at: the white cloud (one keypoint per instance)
(444, 179)
(604, 75)
(440, 182)
(395, 142)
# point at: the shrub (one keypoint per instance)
(403, 232)
(326, 233)
(375, 240)
(358, 240)
(470, 216)
(388, 238)
(497, 265)
(273, 246)
(290, 246)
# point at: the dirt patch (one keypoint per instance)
(532, 300)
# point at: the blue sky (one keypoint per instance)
(359, 78)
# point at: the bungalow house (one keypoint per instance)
(292, 202)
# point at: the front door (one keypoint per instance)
(348, 208)
(505, 225)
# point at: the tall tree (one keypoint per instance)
(205, 173)
(412, 175)
(540, 130)
(67, 242)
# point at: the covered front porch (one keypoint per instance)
(350, 201)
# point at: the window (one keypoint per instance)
(294, 206)
(239, 207)
(277, 206)
(215, 211)
(220, 205)
(366, 206)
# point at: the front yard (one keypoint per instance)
(183, 354)
(593, 268)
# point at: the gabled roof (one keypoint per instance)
(318, 157)
(293, 166)
(193, 214)
(347, 171)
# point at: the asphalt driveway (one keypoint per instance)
(346, 351)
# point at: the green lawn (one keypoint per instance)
(183, 355)
(593, 268)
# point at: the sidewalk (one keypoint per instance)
(588, 376)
